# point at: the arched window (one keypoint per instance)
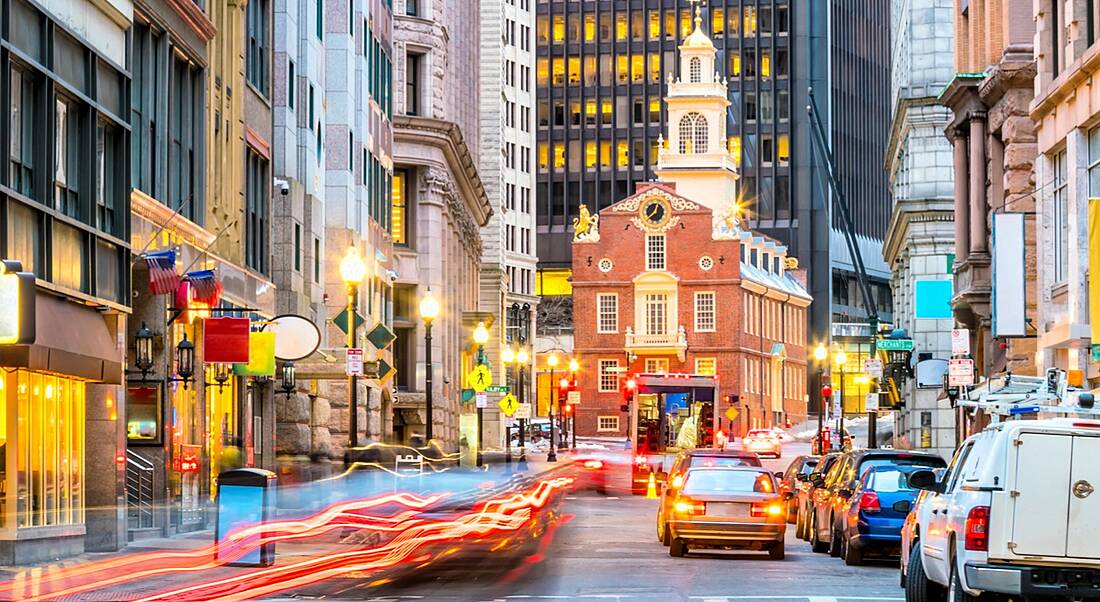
(693, 134)
(696, 70)
(702, 135)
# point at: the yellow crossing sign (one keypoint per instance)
(480, 378)
(508, 404)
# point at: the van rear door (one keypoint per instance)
(1083, 539)
(1039, 494)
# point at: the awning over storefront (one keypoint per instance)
(72, 340)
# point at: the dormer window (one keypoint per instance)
(766, 263)
(777, 264)
(696, 70)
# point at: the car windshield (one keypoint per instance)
(906, 460)
(728, 481)
(888, 480)
(722, 461)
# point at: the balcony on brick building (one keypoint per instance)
(672, 342)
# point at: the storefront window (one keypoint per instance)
(48, 448)
(222, 416)
(186, 422)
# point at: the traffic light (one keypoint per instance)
(563, 389)
(630, 387)
(568, 409)
(826, 391)
(733, 399)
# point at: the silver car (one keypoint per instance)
(728, 508)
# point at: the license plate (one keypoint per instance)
(727, 509)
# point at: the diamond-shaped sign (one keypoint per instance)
(479, 378)
(341, 320)
(380, 336)
(508, 404)
(385, 370)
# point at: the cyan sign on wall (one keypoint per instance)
(933, 298)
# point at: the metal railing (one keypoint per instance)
(677, 338)
(139, 491)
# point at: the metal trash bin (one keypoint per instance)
(246, 497)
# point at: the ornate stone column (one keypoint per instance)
(978, 204)
(962, 196)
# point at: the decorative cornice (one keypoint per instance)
(676, 201)
(1063, 86)
(196, 19)
(447, 137)
(257, 142)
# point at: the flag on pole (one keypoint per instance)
(205, 287)
(163, 279)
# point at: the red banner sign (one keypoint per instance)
(225, 340)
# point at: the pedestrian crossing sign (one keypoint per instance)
(508, 404)
(731, 413)
(479, 378)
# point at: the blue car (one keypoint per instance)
(876, 511)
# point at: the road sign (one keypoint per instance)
(508, 404)
(960, 341)
(385, 370)
(573, 397)
(872, 367)
(482, 400)
(480, 378)
(381, 336)
(837, 404)
(523, 412)
(341, 320)
(355, 362)
(960, 372)
(496, 389)
(871, 403)
(732, 413)
(894, 344)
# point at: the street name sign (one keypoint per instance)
(573, 397)
(960, 341)
(523, 412)
(480, 379)
(508, 404)
(960, 372)
(496, 389)
(872, 367)
(894, 344)
(355, 362)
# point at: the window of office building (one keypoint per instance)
(608, 375)
(256, 213)
(67, 147)
(1061, 215)
(21, 119)
(398, 221)
(413, 63)
(257, 44)
(607, 309)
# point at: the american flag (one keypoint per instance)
(163, 278)
(205, 287)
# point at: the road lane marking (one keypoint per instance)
(809, 598)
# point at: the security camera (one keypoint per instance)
(283, 186)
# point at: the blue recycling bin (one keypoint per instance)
(246, 497)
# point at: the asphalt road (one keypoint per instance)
(607, 550)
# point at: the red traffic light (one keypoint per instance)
(826, 391)
(631, 384)
(568, 409)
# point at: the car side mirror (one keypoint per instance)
(802, 477)
(844, 492)
(779, 475)
(924, 479)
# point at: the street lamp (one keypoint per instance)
(352, 271)
(429, 311)
(574, 365)
(143, 346)
(552, 361)
(841, 359)
(521, 359)
(508, 356)
(289, 382)
(185, 360)
(821, 354)
(481, 336)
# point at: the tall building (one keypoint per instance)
(507, 142)
(918, 243)
(670, 289)
(601, 72)
(65, 210)
(441, 204)
(333, 103)
(994, 142)
(1067, 184)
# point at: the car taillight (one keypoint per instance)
(593, 464)
(868, 502)
(639, 459)
(767, 509)
(977, 529)
(689, 507)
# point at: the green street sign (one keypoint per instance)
(496, 389)
(467, 394)
(341, 320)
(380, 336)
(894, 344)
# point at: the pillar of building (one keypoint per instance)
(962, 197)
(978, 203)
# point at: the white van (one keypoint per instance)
(1015, 513)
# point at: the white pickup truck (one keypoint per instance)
(1015, 514)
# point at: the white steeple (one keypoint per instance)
(695, 155)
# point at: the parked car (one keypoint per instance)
(1013, 515)
(805, 494)
(789, 483)
(728, 508)
(875, 512)
(763, 442)
(693, 458)
(833, 491)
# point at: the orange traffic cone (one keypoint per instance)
(651, 487)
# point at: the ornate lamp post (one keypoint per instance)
(508, 356)
(143, 347)
(185, 361)
(552, 361)
(289, 383)
(821, 355)
(429, 311)
(352, 271)
(574, 366)
(521, 359)
(840, 359)
(481, 336)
